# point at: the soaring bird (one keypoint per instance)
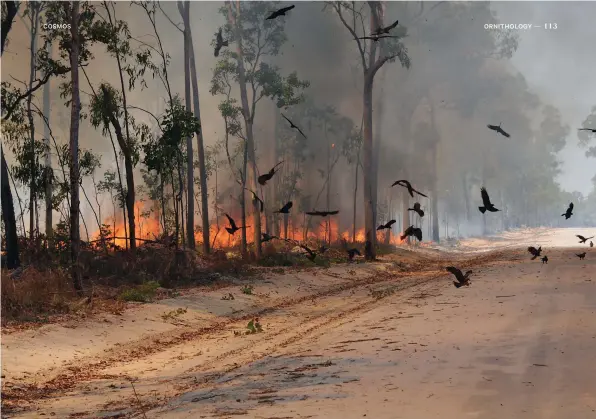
(310, 255)
(488, 206)
(285, 209)
(412, 231)
(387, 225)
(535, 252)
(232, 228)
(263, 179)
(321, 213)
(219, 43)
(384, 30)
(375, 38)
(593, 130)
(292, 125)
(583, 239)
(255, 198)
(498, 129)
(352, 253)
(418, 209)
(581, 256)
(567, 214)
(544, 259)
(266, 237)
(461, 278)
(407, 184)
(280, 12)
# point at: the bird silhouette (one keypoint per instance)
(544, 259)
(352, 253)
(323, 249)
(280, 12)
(321, 213)
(255, 198)
(387, 225)
(292, 125)
(375, 38)
(219, 43)
(535, 252)
(310, 255)
(567, 214)
(591, 244)
(412, 231)
(581, 256)
(266, 237)
(593, 130)
(418, 209)
(263, 179)
(488, 206)
(461, 278)
(285, 209)
(232, 228)
(583, 239)
(384, 30)
(498, 129)
(407, 184)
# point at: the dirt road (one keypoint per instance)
(387, 340)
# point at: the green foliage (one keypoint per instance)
(247, 289)
(142, 293)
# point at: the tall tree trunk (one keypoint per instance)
(466, 194)
(248, 122)
(74, 150)
(355, 198)
(380, 109)
(190, 179)
(369, 227)
(200, 145)
(405, 204)
(435, 178)
(34, 19)
(243, 243)
(328, 200)
(8, 215)
(48, 175)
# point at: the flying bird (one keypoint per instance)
(387, 225)
(280, 12)
(498, 129)
(352, 253)
(285, 209)
(583, 239)
(264, 178)
(232, 228)
(293, 126)
(567, 214)
(407, 184)
(544, 259)
(375, 38)
(384, 30)
(412, 231)
(266, 237)
(593, 130)
(310, 255)
(488, 206)
(418, 209)
(255, 198)
(535, 252)
(321, 213)
(219, 43)
(581, 256)
(461, 278)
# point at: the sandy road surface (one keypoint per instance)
(352, 341)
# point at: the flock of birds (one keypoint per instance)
(411, 231)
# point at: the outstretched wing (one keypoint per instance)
(532, 250)
(493, 127)
(571, 206)
(503, 132)
(332, 212)
(291, 123)
(313, 213)
(286, 9)
(398, 182)
(485, 198)
(231, 221)
(456, 272)
(420, 193)
(393, 25)
(580, 237)
(390, 223)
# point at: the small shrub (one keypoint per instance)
(142, 293)
(247, 289)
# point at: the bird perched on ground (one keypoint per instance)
(412, 231)
(263, 179)
(233, 228)
(593, 130)
(387, 225)
(266, 237)
(219, 43)
(581, 256)
(498, 129)
(292, 125)
(535, 252)
(285, 209)
(407, 184)
(321, 213)
(544, 259)
(488, 206)
(352, 253)
(310, 255)
(418, 209)
(583, 239)
(255, 199)
(461, 278)
(567, 214)
(280, 12)
(384, 30)
(591, 244)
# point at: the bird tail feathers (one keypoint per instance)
(482, 209)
